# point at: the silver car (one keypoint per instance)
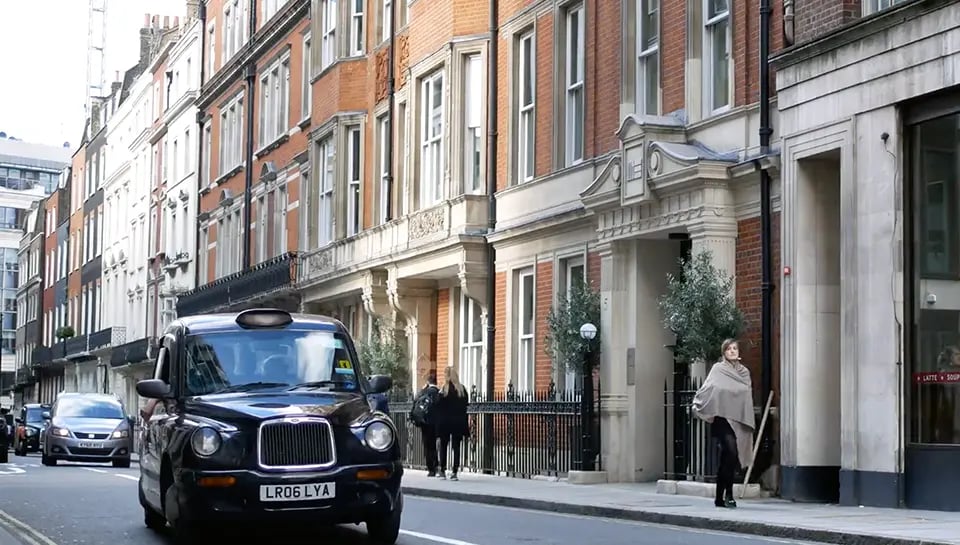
(88, 428)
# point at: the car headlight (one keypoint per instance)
(205, 441)
(31, 432)
(120, 434)
(378, 436)
(62, 432)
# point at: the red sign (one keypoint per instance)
(937, 377)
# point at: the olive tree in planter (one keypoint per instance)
(65, 332)
(566, 348)
(700, 308)
(383, 355)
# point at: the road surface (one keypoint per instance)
(89, 504)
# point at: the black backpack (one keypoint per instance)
(422, 412)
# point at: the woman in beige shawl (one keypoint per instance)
(726, 401)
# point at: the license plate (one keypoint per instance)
(89, 444)
(298, 492)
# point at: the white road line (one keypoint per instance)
(128, 477)
(23, 531)
(94, 470)
(438, 539)
(10, 469)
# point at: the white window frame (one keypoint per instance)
(231, 134)
(354, 173)
(306, 101)
(526, 108)
(275, 101)
(357, 28)
(383, 158)
(270, 8)
(648, 56)
(574, 74)
(328, 27)
(326, 178)
(473, 123)
(710, 76)
(473, 372)
(211, 49)
(873, 6)
(432, 144)
(386, 13)
(569, 264)
(526, 360)
(203, 260)
(207, 154)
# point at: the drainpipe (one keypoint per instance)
(391, 91)
(249, 101)
(766, 250)
(200, 140)
(492, 105)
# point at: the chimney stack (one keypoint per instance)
(166, 22)
(146, 20)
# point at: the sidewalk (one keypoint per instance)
(640, 502)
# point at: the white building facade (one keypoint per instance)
(126, 225)
(871, 231)
(176, 202)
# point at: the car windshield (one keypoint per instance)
(265, 359)
(85, 407)
(35, 415)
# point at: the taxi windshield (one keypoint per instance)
(239, 361)
(34, 415)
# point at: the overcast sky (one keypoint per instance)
(43, 60)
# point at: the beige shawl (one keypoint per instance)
(728, 392)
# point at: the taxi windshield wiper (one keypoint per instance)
(319, 384)
(249, 387)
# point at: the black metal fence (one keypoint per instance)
(689, 451)
(512, 433)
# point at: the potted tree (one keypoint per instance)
(565, 346)
(65, 332)
(383, 355)
(700, 308)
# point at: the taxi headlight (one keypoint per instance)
(205, 441)
(61, 432)
(378, 436)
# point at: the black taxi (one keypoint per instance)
(264, 416)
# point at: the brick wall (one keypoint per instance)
(443, 329)
(593, 269)
(748, 277)
(500, 325)
(817, 17)
(543, 300)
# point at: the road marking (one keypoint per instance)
(11, 469)
(128, 477)
(22, 530)
(94, 470)
(438, 539)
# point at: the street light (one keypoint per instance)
(588, 332)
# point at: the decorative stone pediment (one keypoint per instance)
(604, 192)
(268, 171)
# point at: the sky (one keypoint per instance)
(43, 59)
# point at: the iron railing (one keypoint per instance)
(535, 433)
(262, 279)
(690, 452)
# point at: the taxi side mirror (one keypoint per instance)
(45, 415)
(380, 384)
(153, 388)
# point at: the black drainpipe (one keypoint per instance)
(491, 362)
(391, 91)
(766, 250)
(249, 101)
(200, 139)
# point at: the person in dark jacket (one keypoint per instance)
(451, 421)
(423, 416)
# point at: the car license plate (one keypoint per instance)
(89, 444)
(298, 492)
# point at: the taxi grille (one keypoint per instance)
(303, 443)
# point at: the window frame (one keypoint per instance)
(472, 129)
(647, 56)
(326, 190)
(526, 342)
(473, 372)
(710, 69)
(386, 14)
(306, 92)
(357, 33)
(274, 102)
(354, 177)
(432, 145)
(383, 131)
(526, 121)
(329, 15)
(574, 89)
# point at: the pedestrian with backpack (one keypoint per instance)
(422, 415)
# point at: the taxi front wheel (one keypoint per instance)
(386, 530)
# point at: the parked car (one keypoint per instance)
(262, 416)
(88, 428)
(31, 422)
